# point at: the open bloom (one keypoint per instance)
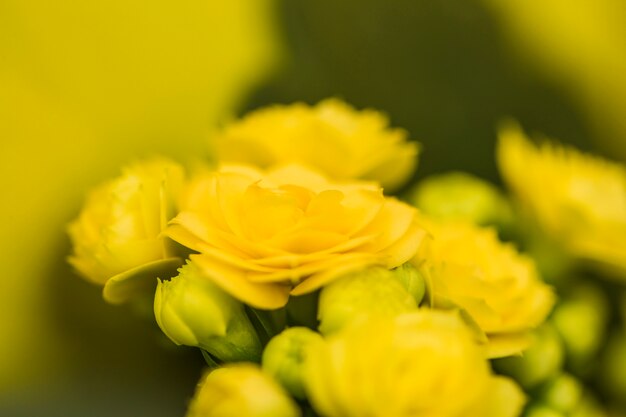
(468, 267)
(421, 364)
(578, 199)
(259, 234)
(331, 137)
(118, 232)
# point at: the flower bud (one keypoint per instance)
(193, 311)
(240, 390)
(284, 357)
(541, 361)
(461, 196)
(581, 320)
(613, 363)
(412, 280)
(540, 410)
(564, 393)
(369, 292)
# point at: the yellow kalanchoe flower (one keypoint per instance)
(468, 267)
(241, 390)
(578, 199)
(258, 234)
(421, 364)
(331, 136)
(117, 236)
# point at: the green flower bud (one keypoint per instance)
(581, 319)
(412, 280)
(564, 393)
(284, 356)
(541, 361)
(612, 375)
(369, 292)
(588, 407)
(240, 390)
(461, 196)
(540, 410)
(193, 311)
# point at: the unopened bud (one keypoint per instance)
(241, 390)
(370, 292)
(461, 196)
(284, 357)
(193, 311)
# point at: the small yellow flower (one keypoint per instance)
(421, 364)
(331, 137)
(578, 199)
(258, 234)
(240, 390)
(468, 267)
(117, 235)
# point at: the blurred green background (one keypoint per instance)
(86, 87)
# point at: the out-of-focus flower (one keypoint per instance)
(461, 196)
(422, 364)
(370, 292)
(240, 390)
(191, 310)
(578, 199)
(580, 46)
(117, 236)
(284, 357)
(331, 136)
(468, 267)
(260, 233)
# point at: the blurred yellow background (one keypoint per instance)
(84, 88)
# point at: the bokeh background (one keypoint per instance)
(87, 86)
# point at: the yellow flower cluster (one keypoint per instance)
(331, 137)
(289, 218)
(422, 364)
(578, 199)
(263, 235)
(468, 267)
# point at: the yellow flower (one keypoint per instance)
(260, 233)
(578, 199)
(117, 236)
(240, 390)
(500, 289)
(331, 136)
(421, 364)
